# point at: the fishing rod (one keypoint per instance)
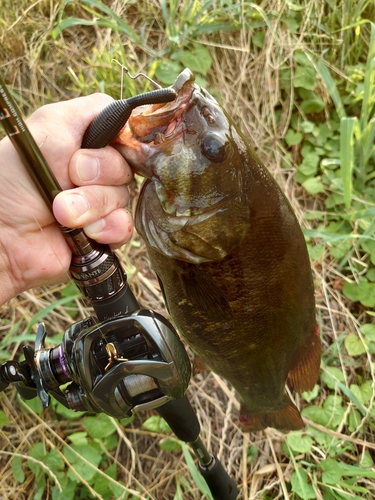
(125, 359)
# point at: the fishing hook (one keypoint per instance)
(125, 69)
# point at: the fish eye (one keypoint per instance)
(214, 148)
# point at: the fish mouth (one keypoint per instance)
(160, 122)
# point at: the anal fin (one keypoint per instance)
(302, 377)
(285, 418)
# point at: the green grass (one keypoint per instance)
(299, 79)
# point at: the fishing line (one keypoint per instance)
(125, 70)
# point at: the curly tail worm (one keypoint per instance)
(112, 118)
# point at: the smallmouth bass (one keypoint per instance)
(228, 251)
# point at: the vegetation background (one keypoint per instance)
(299, 79)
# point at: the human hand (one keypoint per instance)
(33, 251)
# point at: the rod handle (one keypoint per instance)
(221, 485)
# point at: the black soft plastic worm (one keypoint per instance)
(104, 128)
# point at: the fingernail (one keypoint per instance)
(87, 167)
(95, 228)
(77, 204)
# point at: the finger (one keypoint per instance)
(115, 229)
(82, 206)
(103, 167)
(83, 109)
(58, 129)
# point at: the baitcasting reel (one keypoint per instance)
(127, 360)
(118, 366)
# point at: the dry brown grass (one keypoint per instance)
(38, 69)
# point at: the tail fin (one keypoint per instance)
(302, 377)
(285, 418)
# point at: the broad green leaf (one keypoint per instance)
(67, 413)
(3, 419)
(331, 375)
(354, 419)
(333, 404)
(319, 436)
(368, 331)
(118, 490)
(362, 292)
(78, 438)
(330, 415)
(366, 459)
(198, 60)
(54, 460)
(170, 445)
(310, 164)
(299, 442)
(40, 486)
(100, 426)
(68, 493)
(17, 469)
(292, 138)
(313, 104)
(102, 484)
(315, 252)
(362, 392)
(354, 345)
(304, 77)
(167, 71)
(341, 249)
(313, 185)
(334, 470)
(291, 23)
(369, 247)
(258, 39)
(38, 452)
(302, 59)
(350, 395)
(34, 404)
(310, 395)
(315, 413)
(156, 424)
(300, 485)
(85, 463)
(127, 421)
(308, 127)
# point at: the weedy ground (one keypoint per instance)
(298, 78)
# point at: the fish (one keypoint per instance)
(228, 252)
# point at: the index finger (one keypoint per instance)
(105, 167)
